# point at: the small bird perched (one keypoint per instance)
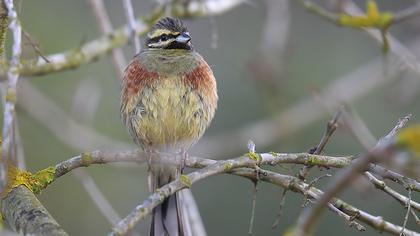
(168, 99)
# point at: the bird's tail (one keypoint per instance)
(167, 218)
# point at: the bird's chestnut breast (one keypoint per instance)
(168, 107)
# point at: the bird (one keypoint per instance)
(168, 99)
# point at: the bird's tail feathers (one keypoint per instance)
(167, 218)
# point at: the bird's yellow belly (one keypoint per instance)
(171, 115)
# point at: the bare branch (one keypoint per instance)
(408, 204)
(296, 185)
(390, 136)
(203, 8)
(131, 20)
(235, 166)
(254, 205)
(23, 212)
(292, 183)
(351, 222)
(397, 17)
(97, 157)
(280, 211)
(415, 217)
(4, 20)
(394, 176)
(141, 211)
(406, 14)
(331, 127)
(104, 22)
(394, 194)
(97, 48)
(34, 45)
(102, 157)
(9, 134)
(309, 217)
(397, 48)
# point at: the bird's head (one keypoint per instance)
(169, 33)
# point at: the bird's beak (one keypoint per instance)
(184, 38)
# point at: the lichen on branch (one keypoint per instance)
(34, 182)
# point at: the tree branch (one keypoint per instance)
(236, 167)
(4, 20)
(102, 18)
(103, 157)
(97, 157)
(309, 217)
(330, 129)
(97, 48)
(228, 166)
(9, 134)
(131, 21)
(381, 185)
(23, 212)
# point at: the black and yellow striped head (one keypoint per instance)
(169, 33)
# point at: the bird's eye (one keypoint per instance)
(163, 38)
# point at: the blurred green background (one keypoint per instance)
(318, 53)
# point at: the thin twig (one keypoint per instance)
(236, 167)
(315, 8)
(131, 20)
(394, 194)
(280, 211)
(408, 205)
(350, 220)
(34, 45)
(296, 185)
(103, 45)
(415, 217)
(394, 176)
(388, 138)
(191, 9)
(397, 17)
(102, 18)
(141, 211)
(406, 14)
(408, 58)
(254, 205)
(331, 128)
(344, 177)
